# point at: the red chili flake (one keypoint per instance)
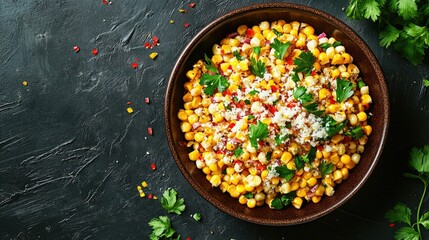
(192, 5)
(105, 2)
(332, 100)
(76, 49)
(155, 41)
(150, 196)
(153, 166)
(231, 125)
(147, 45)
(320, 148)
(134, 65)
(95, 51)
(313, 73)
(289, 61)
(188, 238)
(129, 103)
(150, 131)
(347, 139)
(274, 88)
(146, 100)
(272, 109)
(392, 225)
(186, 25)
(250, 33)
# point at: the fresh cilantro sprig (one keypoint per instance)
(171, 202)
(403, 24)
(426, 82)
(257, 67)
(304, 62)
(280, 48)
(162, 229)
(355, 133)
(331, 126)
(325, 168)
(300, 161)
(281, 138)
(238, 152)
(283, 200)
(237, 55)
(285, 172)
(344, 90)
(307, 100)
(400, 213)
(215, 81)
(257, 132)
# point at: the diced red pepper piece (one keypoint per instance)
(332, 100)
(76, 49)
(95, 51)
(289, 61)
(274, 88)
(153, 166)
(320, 148)
(186, 25)
(147, 45)
(250, 33)
(347, 139)
(150, 131)
(392, 225)
(192, 5)
(155, 40)
(313, 73)
(231, 125)
(150, 196)
(134, 65)
(272, 109)
(146, 100)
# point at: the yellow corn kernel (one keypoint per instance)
(337, 59)
(362, 116)
(240, 188)
(353, 119)
(234, 42)
(251, 203)
(337, 138)
(334, 158)
(345, 159)
(330, 52)
(185, 127)
(233, 192)
(241, 30)
(213, 167)
(345, 173)
(297, 202)
(320, 190)
(300, 43)
(325, 93)
(215, 180)
(333, 108)
(323, 58)
(346, 58)
(319, 154)
(234, 179)
(326, 154)
(225, 49)
(189, 136)
(253, 171)
(194, 155)
(367, 129)
(311, 182)
(199, 136)
(352, 69)
(182, 115)
(190, 74)
(302, 183)
(224, 66)
(230, 170)
(187, 97)
(286, 157)
(206, 170)
(243, 66)
(217, 117)
(329, 191)
(293, 148)
(366, 99)
(275, 180)
(337, 175)
(153, 55)
(187, 105)
(248, 187)
(242, 199)
(264, 174)
(224, 186)
(193, 118)
(294, 186)
(301, 192)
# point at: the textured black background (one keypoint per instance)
(71, 156)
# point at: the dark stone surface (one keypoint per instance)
(71, 156)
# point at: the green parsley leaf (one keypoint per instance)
(285, 172)
(372, 10)
(407, 233)
(258, 132)
(412, 48)
(354, 10)
(237, 55)
(171, 203)
(424, 220)
(336, 44)
(280, 48)
(276, 203)
(280, 139)
(426, 82)
(279, 34)
(344, 90)
(197, 216)
(283, 201)
(407, 9)
(300, 161)
(313, 108)
(253, 92)
(213, 82)
(389, 35)
(257, 67)
(275, 102)
(304, 62)
(161, 228)
(420, 159)
(325, 168)
(248, 195)
(331, 126)
(268, 156)
(325, 46)
(355, 133)
(238, 152)
(399, 213)
(256, 50)
(209, 65)
(361, 83)
(295, 77)
(300, 95)
(250, 117)
(247, 102)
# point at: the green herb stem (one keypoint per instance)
(419, 207)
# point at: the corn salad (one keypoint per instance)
(278, 115)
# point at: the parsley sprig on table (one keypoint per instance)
(403, 24)
(171, 202)
(213, 81)
(162, 228)
(280, 48)
(400, 212)
(258, 132)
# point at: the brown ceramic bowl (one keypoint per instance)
(322, 22)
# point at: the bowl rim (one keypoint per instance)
(287, 6)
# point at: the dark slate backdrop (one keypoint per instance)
(71, 156)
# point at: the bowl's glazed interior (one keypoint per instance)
(322, 22)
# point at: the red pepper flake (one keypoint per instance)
(94, 51)
(76, 49)
(392, 225)
(250, 33)
(129, 103)
(153, 166)
(192, 5)
(186, 25)
(332, 100)
(148, 45)
(155, 41)
(231, 125)
(146, 100)
(272, 109)
(188, 238)
(347, 139)
(274, 88)
(320, 148)
(150, 196)
(134, 65)
(289, 61)
(313, 73)
(150, 131)
(105, 2)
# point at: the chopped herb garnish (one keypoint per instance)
(213, 82)
(257, 67)
(325, 46)
(295, 77)
(361, 83)
(237, 55)
(355, 133)
(304, 62)
(256, 50)
(285, 172)
(238, 152)
(344, 90)
(336, 44)
(253, 92)
(161, 228)
(268, 156)
(325, 168)
(280, 139)
(279, 34)
(210, 65)
(196, 216)
(248, 195)
(250, 117)
(280, 48)
(275, 102)
(247, 102)
(309, 158)
(283, 201)
(307, 100)
(258, 132)
(331, 126)
(235, 99)
(426, 82)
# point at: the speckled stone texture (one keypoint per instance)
(71, 156)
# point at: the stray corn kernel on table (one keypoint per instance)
(83, 153)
